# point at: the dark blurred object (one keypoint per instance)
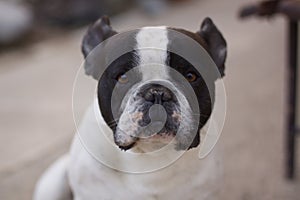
(290, 8)
(291, 127)
(265, 8)
(16, 21)
(24, 22)
(75, 12)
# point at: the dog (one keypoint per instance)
(151, 110)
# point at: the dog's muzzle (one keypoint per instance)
(153, 111)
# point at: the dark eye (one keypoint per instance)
(191, 77)
(123, 78)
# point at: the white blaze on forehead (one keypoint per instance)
(152, 43)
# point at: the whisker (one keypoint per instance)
(113, 122)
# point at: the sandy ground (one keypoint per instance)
(36, 123)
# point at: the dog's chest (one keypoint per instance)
(187, 178)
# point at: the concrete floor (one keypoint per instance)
(36, 123)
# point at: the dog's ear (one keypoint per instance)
(98, 32)
(216, 43)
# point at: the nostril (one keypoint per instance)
(157, 97)
(154, 96)
(149, 97)
(166, 96)
(157, 94)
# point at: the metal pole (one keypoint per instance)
(292, 95)
(291, 9)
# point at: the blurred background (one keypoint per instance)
(40, 53)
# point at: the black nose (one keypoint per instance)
(157, 94)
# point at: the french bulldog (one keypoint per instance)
(142, 106)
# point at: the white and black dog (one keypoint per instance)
(152, 109)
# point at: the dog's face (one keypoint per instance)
(141, 94)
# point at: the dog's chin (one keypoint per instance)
(150, 143)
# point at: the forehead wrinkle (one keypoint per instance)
(152, 44)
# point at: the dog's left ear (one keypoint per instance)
(216, 43)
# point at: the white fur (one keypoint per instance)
(152, 43)
(188, 178)
(54, 184)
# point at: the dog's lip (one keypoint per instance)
(158, 123)
(164, 138)
(159, 138)
(126, 147)
(154, 127)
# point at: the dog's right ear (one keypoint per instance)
(98, 32)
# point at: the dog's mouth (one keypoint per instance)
(155, 114)
(155, 126)
(149, 119)
(159, 139)
(149, 124)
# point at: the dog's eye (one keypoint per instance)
(191, 77)
(123, 78)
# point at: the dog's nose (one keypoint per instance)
(158, 94)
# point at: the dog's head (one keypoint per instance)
(141, 97)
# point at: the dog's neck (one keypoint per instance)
(97, 138)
